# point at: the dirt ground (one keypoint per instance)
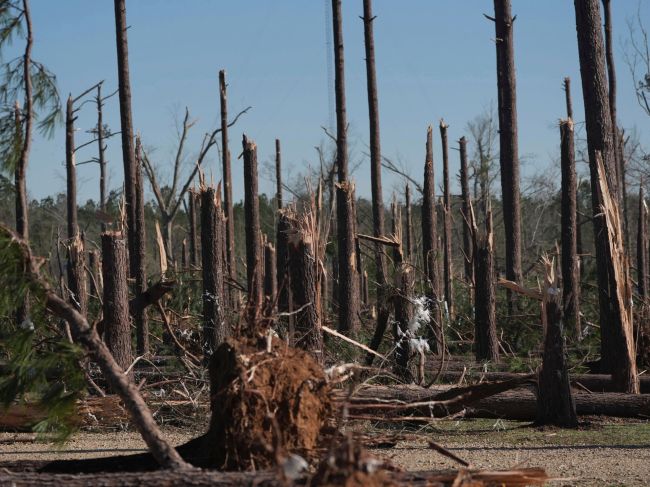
(599, 454)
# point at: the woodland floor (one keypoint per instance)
(600, 453)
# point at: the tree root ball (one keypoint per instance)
(265, 405)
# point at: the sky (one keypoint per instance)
(435, 59)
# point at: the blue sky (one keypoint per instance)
(435, 59)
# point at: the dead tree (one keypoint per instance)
(569, 114)
(446, 204)
(281, 239)
(567, 96)
(642, 264)
(71, 174)
(568, 225)
(194, 245)
(101, 148)
(270, 283)
(215, 329)
(94, 272)
(408, 232)
(305, 290)
(429, 246)
(348, 298)
(117, 329)
(254, 256)
(555, 404)
(508, 143)
(617, 355)
(486, 345)
(467, 227)
(138, 258)
(231, 261)
(403, 302)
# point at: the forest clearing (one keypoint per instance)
(479, 327)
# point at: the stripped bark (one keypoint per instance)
(446, 205)
(77, 282)
(429, 246)
(348, 297)
(254, 256)
(117, 329)
(215, 328)
(568, 224)
(231, 262)
(508, 143)
(468, 246)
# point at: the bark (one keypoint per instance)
(215, 329)
(282, 262)
(555, 404)
(77, 282)
(305, 291)
(568, 225)
(508, 143)
(194, 244)
(71, 177)
(278, 174)
(254, 262)
(408, 233)
(467, 229)
(403, 316)
(101, 159)
(270, 282)
(429, 245)
(486, 346)
(642, 264)
(348, 320)
(569, 111)
(615, 339)
(231, 262)
(117, 329)
(138, 257)
(567, 96)
(446, 203)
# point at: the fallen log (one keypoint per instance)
(519, 404)
(584, 382)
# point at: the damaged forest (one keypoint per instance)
(227, 314)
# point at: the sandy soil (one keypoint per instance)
(611, 453)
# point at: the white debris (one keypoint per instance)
(421, 315)
(293, 466)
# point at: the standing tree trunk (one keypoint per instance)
(253, 233)
(567, 96)
(281, 238)
(139, 257)
(270, 283)
(215, 329)
(305, 289)
(194, 245)
(508, 143)
(486, 345)
(465, 213)
(446, 203)
(231, 261)
(570, 262)
(617, 350)
(555, 404)
(642, 264)
(347, 280)
(101, 148)
(71, 176)
(117, 331)
(403, 316)
(569, 114)
(429, 246)
(409, 225)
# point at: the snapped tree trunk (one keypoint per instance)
(468, 246)
(138, 258)
(570, 262)
(403, 302)
(215, 329)
(77, 282)
(555, 404)
(281, 239)
(348, 297)
(429, 247)
(615, 337)
(642, 265)
(270, 283)
(194, 244)
(71, 176)
(408, 233)
(446, 205)
(486, 345)
(508, 143)
(567, 97)
(117, 329)
(101, 148)
(254, 256)
(231, 261)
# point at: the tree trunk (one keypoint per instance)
(138, 258)
(71, 177)
(231, 261)
(486, 345)
(465, 213)
(77, 283)
(305, 291)
(569, 114)
(446, 203)
(282, 262)
(408, 234)
(568, 225)
(429, 245)
(270, 282)
(642, 264)
(117, 329)
(94, 271)
(508, 143)
(348, 319)
(254, 256)
(567, 96)
(215, 329)
(615, 338)
(278, 175)
(194, 244)
(403, 316)
(101, 159)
